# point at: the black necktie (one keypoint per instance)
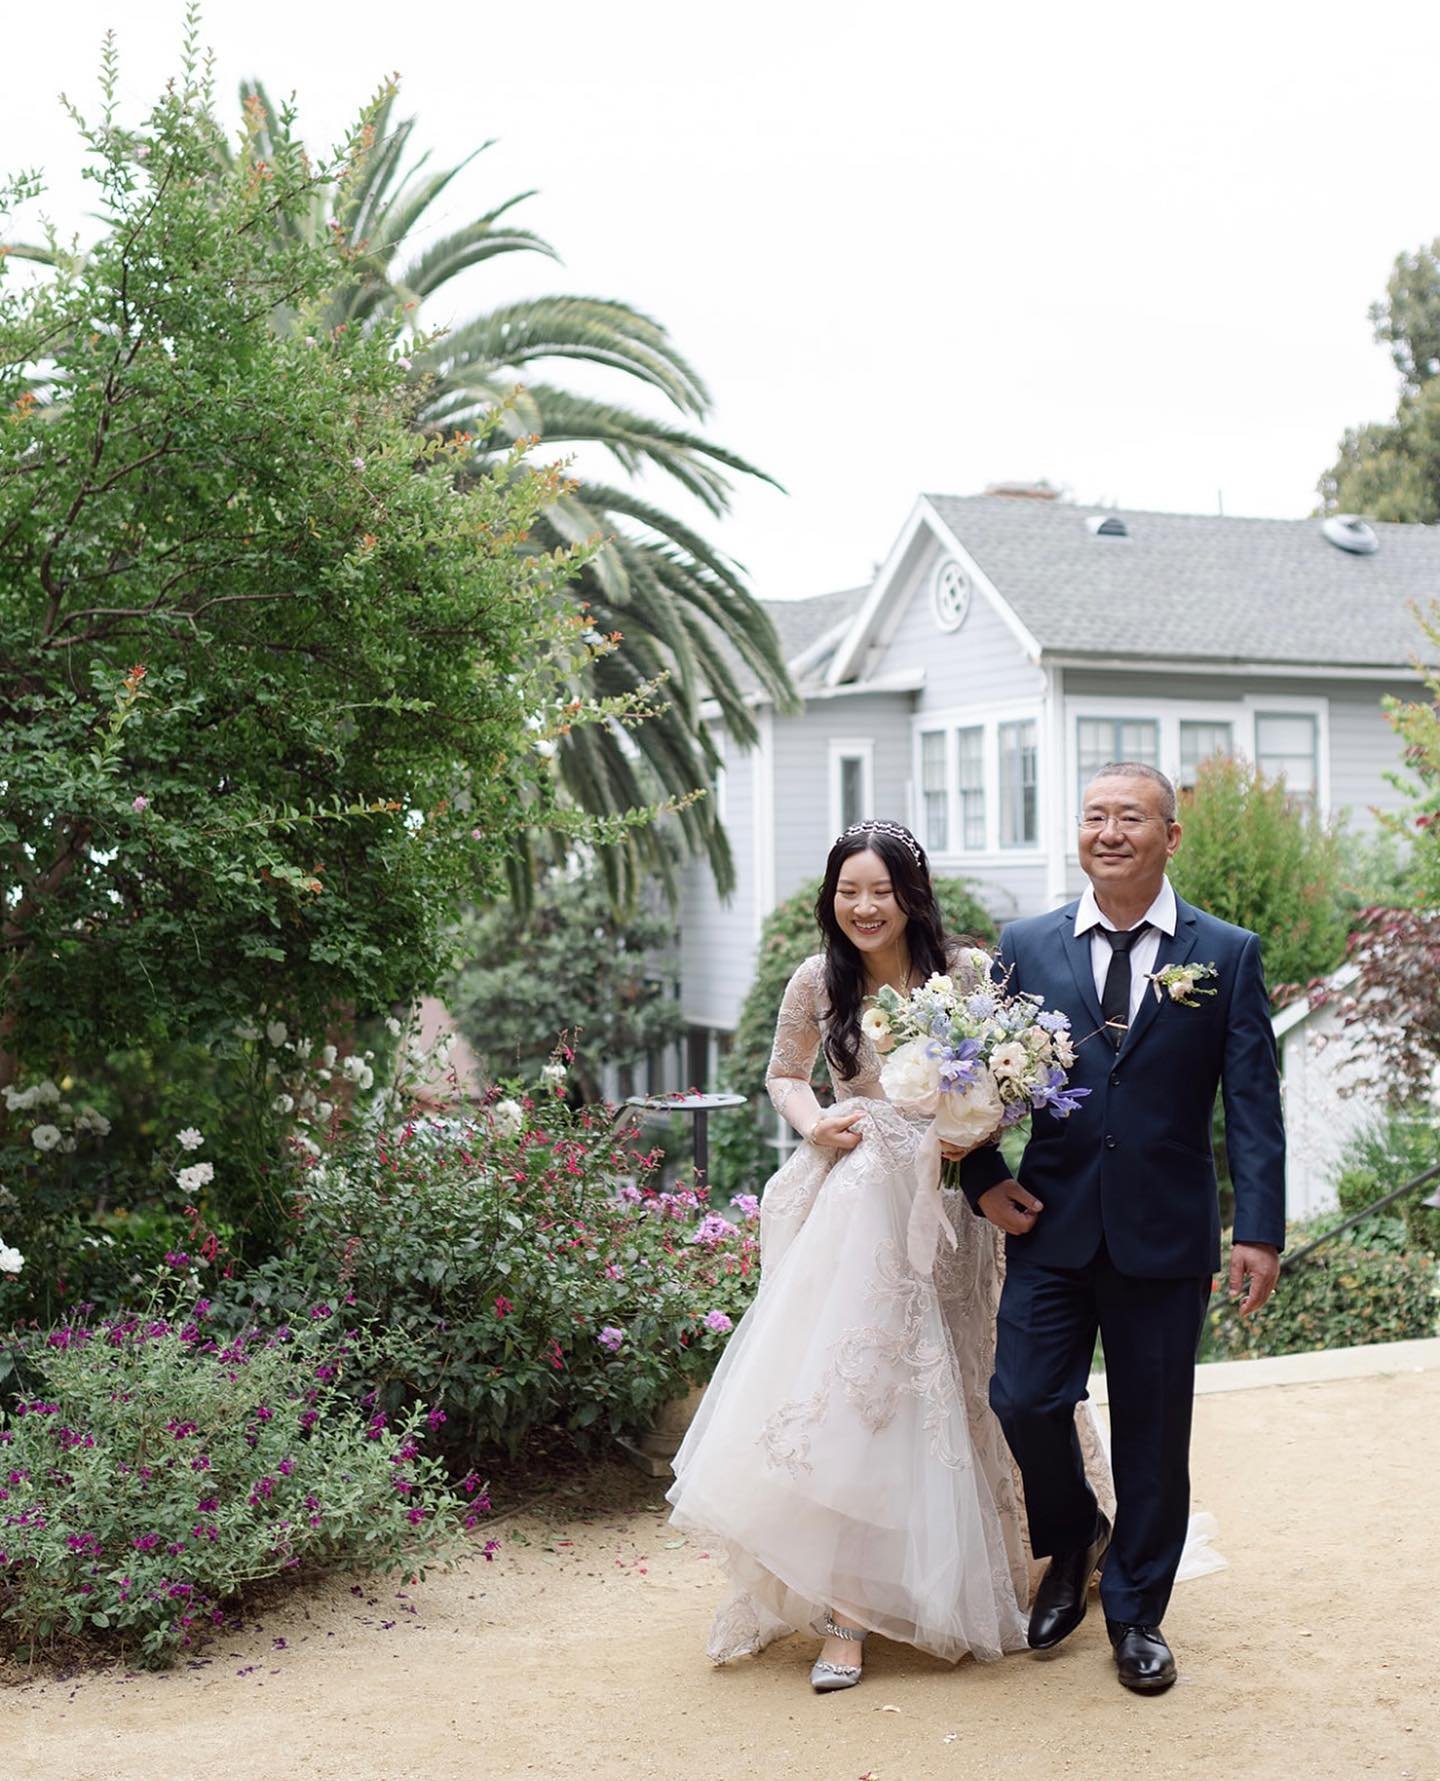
(1115, 999)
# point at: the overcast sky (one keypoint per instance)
(1126, 247)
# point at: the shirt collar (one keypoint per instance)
(1161, 914)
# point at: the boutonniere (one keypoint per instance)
(1182, 983)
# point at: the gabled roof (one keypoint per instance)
(808, 630)
(1194, 587)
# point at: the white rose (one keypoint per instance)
(11, 1260)
(46, 1094)
(283, 1104)
(191, 1138)
(979, 961)
(939, 985)
(323, 1109)
(967, 1118)
(45, 1137)
(1182, 984)
(1010, 1059)
(353, 1068)
(276, 1032)
(1038, 1040)
(1064, 1050)
(328, 1056)
(911, 1077)
(365, 1081)
(508, 1116)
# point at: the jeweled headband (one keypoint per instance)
(893, 829)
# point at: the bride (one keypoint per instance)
(845, 1455)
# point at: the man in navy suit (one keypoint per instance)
(1114, 1223)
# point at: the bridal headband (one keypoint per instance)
(893, 829)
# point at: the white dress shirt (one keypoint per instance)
(1089, 918)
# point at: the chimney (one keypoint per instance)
(1023, 491)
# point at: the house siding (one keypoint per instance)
(981, 662)
(717, 939)
(805, 825)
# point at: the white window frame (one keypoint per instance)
(957, 793)
(987, 719)
(1010, 848)
(852, 748)
(921, 825)
(1239, 713)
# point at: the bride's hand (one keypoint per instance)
(835, 1131)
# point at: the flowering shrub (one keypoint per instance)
(520, 1268)
(160, 1467)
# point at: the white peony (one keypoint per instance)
(910, 1077)
(190, 1139)
(197, 1175)
(45, 1137)
(11, 1260)
(1010, 1059)
(276, 1032)
(508, 1116)
(969, 1118)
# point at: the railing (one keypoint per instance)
(1385, 1200)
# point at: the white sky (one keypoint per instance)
(1128, 247)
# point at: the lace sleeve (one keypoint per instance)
(797, 1036)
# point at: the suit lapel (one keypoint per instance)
(1174, 950)
(1076, 948)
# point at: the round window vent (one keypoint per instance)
(1349, 532)
(950, 595)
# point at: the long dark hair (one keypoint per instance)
(844, 968)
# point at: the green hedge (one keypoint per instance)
(1348, 1294)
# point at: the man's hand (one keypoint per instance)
(1011, 1207)
(833, 1131)
(1261, 1261)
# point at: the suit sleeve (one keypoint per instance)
(986, 1167)
(1254, 1127)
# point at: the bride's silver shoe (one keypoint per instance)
(826, 1677)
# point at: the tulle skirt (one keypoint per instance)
(845, 1456)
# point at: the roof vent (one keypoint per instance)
(1107, 525)
(1349, 532)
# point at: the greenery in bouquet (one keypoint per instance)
(155, 1466)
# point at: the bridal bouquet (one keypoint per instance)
(972, 1060)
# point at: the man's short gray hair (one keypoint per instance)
(1139, 770)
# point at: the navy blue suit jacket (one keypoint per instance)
(1134, 1166)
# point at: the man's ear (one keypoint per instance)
(1173, 840)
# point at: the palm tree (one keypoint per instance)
(681, 605)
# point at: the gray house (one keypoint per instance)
(1011, 643)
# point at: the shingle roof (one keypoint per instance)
(1198, 587)
(798, 624)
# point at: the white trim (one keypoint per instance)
(1173, 666)
(851, 748)
(1055, 825)
(763, 817)
(721, 740)
(987, 719)
(879, 616)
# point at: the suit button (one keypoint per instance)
(1111, 1141)
(1114, 1079)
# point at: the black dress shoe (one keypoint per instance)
(1141, 1656)
(1059, 1604)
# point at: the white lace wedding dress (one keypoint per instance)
(845, 1454)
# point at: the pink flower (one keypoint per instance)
(610, 1337)
(359, 463)
(139, 804)
(719, 1322)
(503, 1307)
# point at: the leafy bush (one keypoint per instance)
(741, 1152)
(1385, 1155)
(567, 963)
(158, 1468)
(1253, 857)
(518, 1270)
(1346, 1295)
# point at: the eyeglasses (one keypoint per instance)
(1129, 823)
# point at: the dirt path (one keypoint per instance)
(578, 1652)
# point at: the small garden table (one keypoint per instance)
(700, 1106)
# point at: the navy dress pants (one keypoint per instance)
(1046, 1338)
